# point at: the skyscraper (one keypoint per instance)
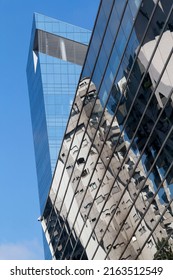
(112, 190)
(56, 55)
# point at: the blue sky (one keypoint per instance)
(20, 232)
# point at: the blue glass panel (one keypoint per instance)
(134, 5)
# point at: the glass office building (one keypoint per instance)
(56, 55)
(113, 182)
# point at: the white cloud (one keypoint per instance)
(25, 250)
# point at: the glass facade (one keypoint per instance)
(52, 83)
(56, 55)
(114, 175)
